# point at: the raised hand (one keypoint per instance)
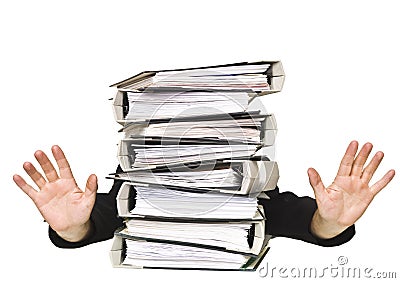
(64, 206)
(343, 202)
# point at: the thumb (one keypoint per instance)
(315, 182)
(91, 185)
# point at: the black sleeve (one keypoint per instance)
(104, 218)
(290, 216)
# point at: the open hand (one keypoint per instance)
(343, 202)
(64, 206)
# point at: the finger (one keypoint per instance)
(34, 174)
(347, 161)
(361, 158)
(27, 189)
(369, 171)
(378, 186)
(91, 185)
(62, 162)
(316, 182)
(47, 166)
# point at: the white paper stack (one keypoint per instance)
(193, 167)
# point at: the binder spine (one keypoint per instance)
(276, 76)
(268, 131)
(126, 155)
(123, 200)
(120, 107)
(276, 69)
(259, 176)
(117, 252)
(269, 180)
(276, 84)
(259, 237)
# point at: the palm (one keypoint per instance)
(347, 198)
(60, 201)
(63, 204)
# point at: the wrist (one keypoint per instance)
(325, 229)
(77, 233)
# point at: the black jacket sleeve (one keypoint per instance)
(290, 216)
(287, 215)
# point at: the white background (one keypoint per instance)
(341, 60)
